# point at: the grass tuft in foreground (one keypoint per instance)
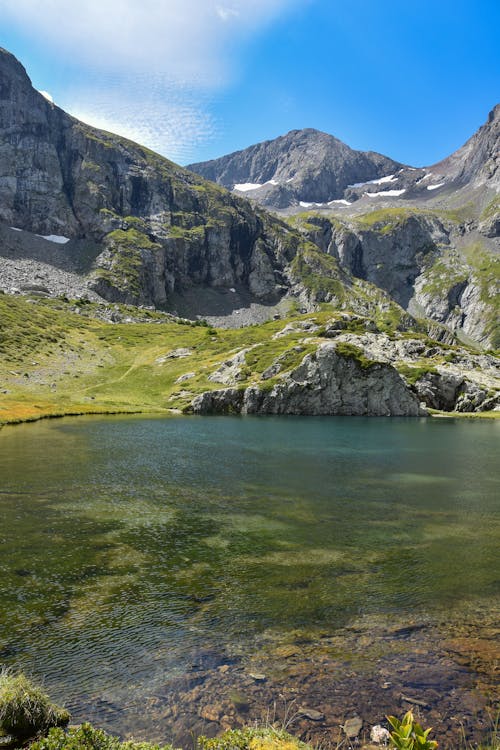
(25, 709)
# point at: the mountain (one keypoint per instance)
(307, 168)
(477, 161)
(429, 237)
(124, 222)
(87, 213)
(90, 214)
(304, 166)
(372, 300)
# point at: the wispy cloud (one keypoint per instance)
(152, 65)
(173, 120)
(190, 41)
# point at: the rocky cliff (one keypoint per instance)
(426, 261)
(302, 166)
(353, 373)
(86, 213)
(154, 228)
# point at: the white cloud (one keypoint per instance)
(191, 41)
(151, 65)
(226, 13)
(171, 120)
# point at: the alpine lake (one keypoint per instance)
(168, 577)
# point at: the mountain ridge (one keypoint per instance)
(307, 165)
(277, 173)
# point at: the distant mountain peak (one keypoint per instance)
(301, 166)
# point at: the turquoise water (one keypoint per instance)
(127, 544)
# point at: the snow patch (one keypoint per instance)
(304, 204)
(425, 177)
(342, 201)
(57, 238)
(272, 182)
(385, 192)
(245, 187)
(378, 181)
(435, 187)
(382, 180)
(16, 229)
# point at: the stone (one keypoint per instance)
(185, 376)
(379, 734)
(311, 713)
(352, 727)
(326, 382)
(211, 712)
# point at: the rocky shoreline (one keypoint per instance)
(448, 675)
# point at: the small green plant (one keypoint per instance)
(407, 734)
(87, 737)
(25, 709)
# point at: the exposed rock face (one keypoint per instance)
(427, 264)
(369, 374)
(158, 227)
(142, 230)
(304, 165)
(478, 160)
(325, 383)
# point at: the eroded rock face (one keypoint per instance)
(325, 383)
(159, 227)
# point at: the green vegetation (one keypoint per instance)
(413, 373)
(492, 209)
(57, 357)
(55, 362)
(263, 738)
(442, 274)
(319, 273)
(25, 709)
(385, 220)
(87, 737)
(350, 351)
(407, 734)
(486, 272)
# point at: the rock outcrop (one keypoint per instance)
(327, 382)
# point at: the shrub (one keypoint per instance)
(267, 738)
(86, 737)
(25, 709)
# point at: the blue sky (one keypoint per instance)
(196, 79)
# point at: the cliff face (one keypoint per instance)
(325, 383)
(428, 263)
(127, 225)
(159, 227)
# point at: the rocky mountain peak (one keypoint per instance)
(303, 166)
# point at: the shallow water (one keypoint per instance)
(134, 550)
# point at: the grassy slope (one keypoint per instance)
(55, 362)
